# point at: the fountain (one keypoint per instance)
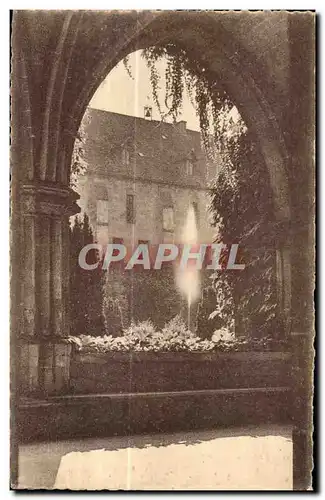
(188, 278)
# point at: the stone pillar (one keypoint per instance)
(282, 233)
(44, 352)
(301, 123)
(302, 410)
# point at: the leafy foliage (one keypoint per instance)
(242, 209)
(86, 294)
(184, 72)
(139, 295)
(154, 295)
(174, 337)
(242, 201)
(79, 161)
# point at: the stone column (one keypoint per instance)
(282, 233)
(44, 352)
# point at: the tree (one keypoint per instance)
(115, 301)
(154, 295)
(242, 201)
(139, 295)
(86, 286)
(243, 211)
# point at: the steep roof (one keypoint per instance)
(158, 151)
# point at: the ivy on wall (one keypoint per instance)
(241, 202)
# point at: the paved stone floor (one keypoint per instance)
(247, 458)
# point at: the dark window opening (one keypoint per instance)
(130, 212)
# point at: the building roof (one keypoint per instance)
(157, 151)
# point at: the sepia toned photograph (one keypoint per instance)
(162, 250)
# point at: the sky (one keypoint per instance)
(120, 93)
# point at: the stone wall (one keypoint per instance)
(184, 391)
(150, 199)
(158, 372)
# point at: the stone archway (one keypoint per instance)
(225, 62)
(51, 92)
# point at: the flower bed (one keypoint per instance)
(174, 359)
(174, 337)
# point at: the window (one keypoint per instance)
(168, 219)
(102, 211)
(125, 157)
(117, 241)
(130, 213)
(189, 167)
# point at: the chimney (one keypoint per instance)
(148, 112)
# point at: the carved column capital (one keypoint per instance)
(53, 200)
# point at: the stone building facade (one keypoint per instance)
(141, 178)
